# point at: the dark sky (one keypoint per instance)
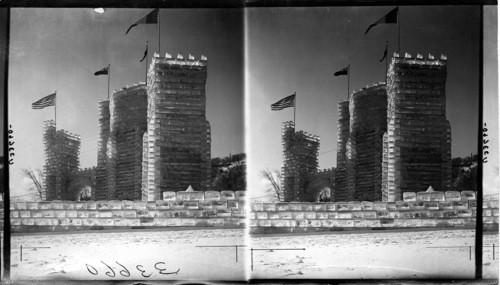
(60, 49)
(298, 50)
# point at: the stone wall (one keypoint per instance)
(416, 210)
(178, 209)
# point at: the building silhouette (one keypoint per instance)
(300, 161)
(62, 151)
(177, 144)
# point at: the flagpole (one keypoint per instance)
(147, 47)
(55, 110)
(399, 47)
(386, 57)
(294, 106)
(109, 75)
(348, 79)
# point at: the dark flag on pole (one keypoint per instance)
(286, 102)
(385, 54)
(46, 101)
(145, 53)
(151, 18)
(343, 71)
(390, 18)
(103, 71)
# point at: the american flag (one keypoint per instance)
(49, 100)
(286, 102)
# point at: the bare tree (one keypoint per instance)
(274, 177)
(36, 180)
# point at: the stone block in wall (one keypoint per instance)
(370, 215)
(44, 205)
(418, 205)
(219, 204)
(28, 222)
(344, 215)
(298, 215)
(180, 213)
(314, 223)
(93, 214)
(91, 205)
(241, 204)
(428, 223)
(182, 196)
(57, 205)
(24, 214)
(252, 215)
(151, 205)
(282, 207)
(36, 214)
(193, 205)
(133, 222)
(46, 213)
(46, 222)
(327, 223)
(379, 206)
(196, 196)
(490, 220)
(261, 215)
(468, 195)
(15, 221)
(295, 206)
(330, 206)
(129, 214)
(147, 221)
(383, 214)
(302, 223)
(255, 207)
(19, 206)
(227, 195)
(341, 206)
(437, 196)
(90, 222)
(391, 206)
(153, 213)
(423, 196)
(357, 215)
(159, 222)
(80, 205)
(457, 222)
(218, 222)
(65, 222)
(120, 222)
(240, 194)
(343, 223)
(494, 212)
(280, 223)
(195, 213)
(142, 213)
(190, 222)
(436, 214)
(409, 196)
(360, 223)
(117, 213)
(60, 213)
(446, 205)
(487, 213)
(405, 215)
(71, 213)
(102, 205)
(273, 215)
(354, 206)
(367, 205)
(162, 205)
(319, 206)
(431, 205)
(205, 204)
(394, 214)
(264, 223)
(450, 213)
(140, 205)
(114, 205)
(465, 213)
(386, 222)
(322, 215)
(473, 204)
(268, 206)
(306, 206)
(223, 213)
(105, 214)
(491, 204)
(286, 215)
(420, 214)
(310, 215)
(32, 205)
(460, 205)
(452, 196)
(238, 213)
(401, 205)
(212, 195)
(68, 205)
(169, 196)
(127, 205)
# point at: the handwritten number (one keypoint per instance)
(93, 271)
(142, 271)
(107, 272)
(11, 161)
(484, 160)
(163, 269)
(125, 270)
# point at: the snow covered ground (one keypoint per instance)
(386, 255)
(142, 253)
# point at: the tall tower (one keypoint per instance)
(300, 158)
(61, 161)
(101, 189)
(418, 142)
(177, 144)
(367, 125)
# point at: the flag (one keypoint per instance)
(103, 71)
(286, 102)
(151, 18)
(343, 71)
(385, 53)
(145, 52)
(49, 100)
(390, 18)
